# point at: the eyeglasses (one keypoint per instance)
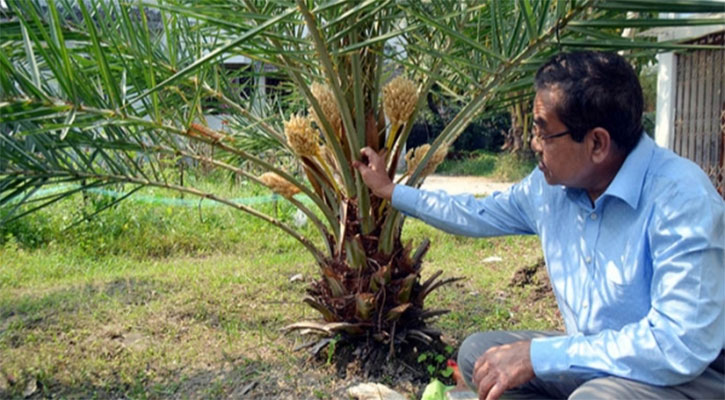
(554, 136)
(541, 138)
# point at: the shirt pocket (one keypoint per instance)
(623, 290)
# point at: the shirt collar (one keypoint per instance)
(627, 184)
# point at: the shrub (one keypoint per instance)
(484, 133)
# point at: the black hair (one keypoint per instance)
(597, 89)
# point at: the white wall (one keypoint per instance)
(667, 76)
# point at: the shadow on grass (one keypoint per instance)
(237, 380)
(142, 338)
(110, 340)
(234, 379)
(42, 311)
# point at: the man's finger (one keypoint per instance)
(478, 363)
(480, 369)
(495, 392)
(363, 169)
(375, 160)
(476, 377)
(369, 153)
(484, 387)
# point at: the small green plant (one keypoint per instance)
(435, 363)
(331, 348)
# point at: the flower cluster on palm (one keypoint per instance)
(370, 283)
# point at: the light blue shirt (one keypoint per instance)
(639, 277)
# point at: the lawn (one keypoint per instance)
(159, 299)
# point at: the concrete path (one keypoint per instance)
(464, 184)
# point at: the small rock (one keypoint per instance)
(30, 388)
(492, 259)
(374, 391)
(297, 277)
(248, 388)
(299, 218)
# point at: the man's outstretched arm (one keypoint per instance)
(503, 213)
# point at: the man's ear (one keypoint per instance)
(600, 144)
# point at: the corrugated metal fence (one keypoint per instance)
(700, 108)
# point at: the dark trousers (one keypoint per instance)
(709, 385)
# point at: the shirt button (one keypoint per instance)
(593, 216)
(585, 305)
(588, 260)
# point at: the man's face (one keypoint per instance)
(562, 160)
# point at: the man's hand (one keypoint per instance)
(374, 174)
(502, 368)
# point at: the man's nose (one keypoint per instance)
(535, 144)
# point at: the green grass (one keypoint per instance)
(504, 166)
(157, 301)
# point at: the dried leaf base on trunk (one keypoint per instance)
(378, 307)
(368, 359)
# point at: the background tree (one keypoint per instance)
(95, 93)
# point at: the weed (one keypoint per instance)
(435, 363)
(331, 345)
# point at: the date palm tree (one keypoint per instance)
(96, 92)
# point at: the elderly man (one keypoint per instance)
(634, 241)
